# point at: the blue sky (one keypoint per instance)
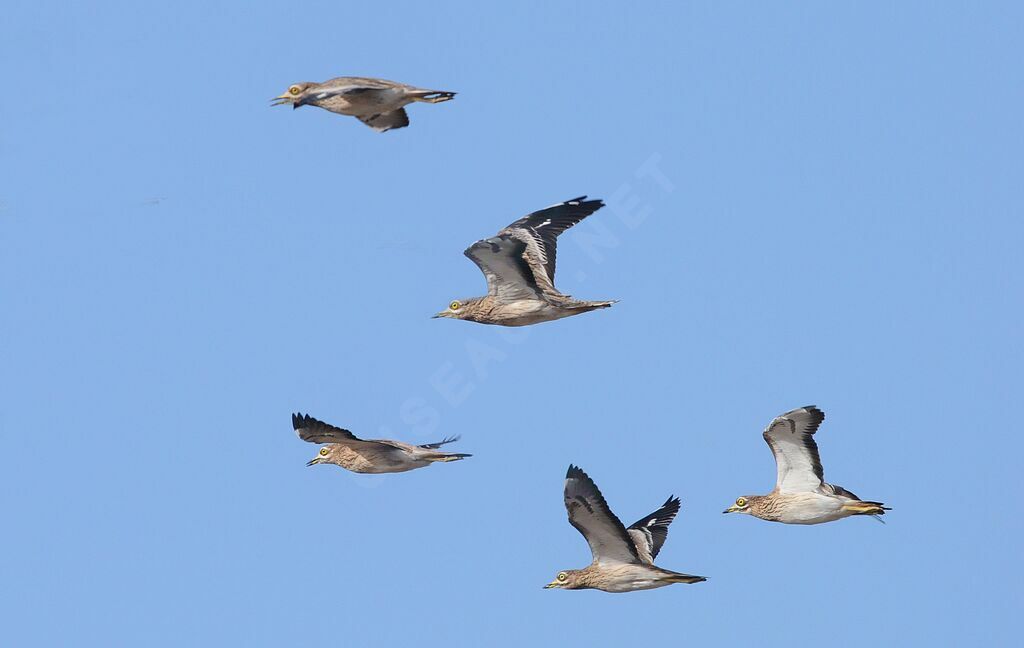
(806, 204)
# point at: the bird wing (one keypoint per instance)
(500, 258)
(438, 444)
(392, 445)
(791, 438)
(370, 83)
(649, 532)
(315, 431)
(589, 513)
(383, 122)
(539, 232)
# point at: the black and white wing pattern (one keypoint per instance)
(649, 532)
(352, 88)
(438, 444)
(315, 431)
(509, 277)
(540, 230)
(519, 262)
(791, 438)
(589, 513)
(383, 122)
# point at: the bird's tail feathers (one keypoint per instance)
(592, 305)
(445, 457)
(866, 508)
(676, 577)
(433, 96)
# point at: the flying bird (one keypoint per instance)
(519, 265)
(801, 495)
(623, 558)
(365, 455)
(378, 103)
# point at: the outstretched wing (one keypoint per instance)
(649, 532)
(509, 277)
(791, 438)
(589, 513)
(540, 230)
(315, 431)
(435, 446)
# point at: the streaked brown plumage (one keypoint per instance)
(378, 103)
(368, 455)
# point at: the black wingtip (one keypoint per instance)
(816, 412)
(575, 472)
(595, 204)
(298, 420)
(672, 505)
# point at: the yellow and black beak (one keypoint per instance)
(732, 509)
(287, 98)
(314, 461)
(553, 584)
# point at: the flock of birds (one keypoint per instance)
(519, 265)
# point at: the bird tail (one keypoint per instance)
(676, 577)
(865, 508)
(591, 305)
(447, 456)
(433, 96)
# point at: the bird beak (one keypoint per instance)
(313, 461)
(282, 100)
(441, 314)
(731, 509)
(553, 584)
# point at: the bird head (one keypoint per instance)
(567, 579)
(325, 455)
(459, 309)
(742, 505)
(294, 95)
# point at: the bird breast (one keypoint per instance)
(803, 508)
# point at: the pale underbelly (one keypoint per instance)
(636, 585)
(526, 313)
(815, 509)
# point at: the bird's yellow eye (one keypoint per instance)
(294, 90)
(455, 305)
(741, 502)
(323, 452)
(562, 576)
